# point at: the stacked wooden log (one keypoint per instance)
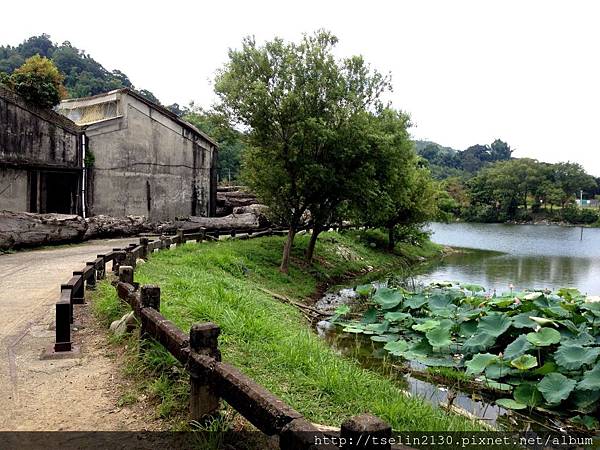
(20, 229)
(106, 226)
(230, 197)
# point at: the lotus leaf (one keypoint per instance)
(396, 316)
(427, 325)
(572, 357)
(468, 329)
(364, 290)
(439, 337)
(555, 387)
(591, 380)
(585, 401)
(353, 330)
(472, 287)
(547, 367)
(439, 301)
(415, 301)
(494, 324)
(397, 347)
(436, 362)
(510, 403)
(342, 310)
(524, 362)
(587, 421)
(518, 347)
(370, 316)
(479, 362)
(387, 298)
(544, 337)
(478, 342)
(384, 338)
(499, 370)
(557, 311)
(523, 320)
(528, 394)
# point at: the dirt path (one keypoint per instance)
(66, 394)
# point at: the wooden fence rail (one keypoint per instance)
(211, 380)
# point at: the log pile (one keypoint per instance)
(241, 212)
(230, 197)
(238, 222)
(22, 229)
(106, 226)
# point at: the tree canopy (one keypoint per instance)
(38, 81)
(319, 138)
(83, 75)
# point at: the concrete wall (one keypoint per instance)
(13, 189)
(30, 136)
(148, 164)
(33, 143)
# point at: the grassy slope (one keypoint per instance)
(271, 341)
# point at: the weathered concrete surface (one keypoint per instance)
(147, 161)
(68, 394)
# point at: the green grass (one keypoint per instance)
(271, 341)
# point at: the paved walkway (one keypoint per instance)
(67, 394)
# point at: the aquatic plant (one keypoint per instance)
(540, 346)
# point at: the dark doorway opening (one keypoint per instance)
(54, 192)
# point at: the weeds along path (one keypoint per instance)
(64, 394)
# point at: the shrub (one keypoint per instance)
(38, 81)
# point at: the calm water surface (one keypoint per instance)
(532, 256)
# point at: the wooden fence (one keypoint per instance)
(211, 380)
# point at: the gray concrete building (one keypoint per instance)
(146, 160)
(41, 160)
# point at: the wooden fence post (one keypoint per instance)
(101, 269)
(180, 237)
(149, 298)
(64, 318)
(144, 243)
(363, 430)
(126, 274)
(91, 281)
(119, 259)
(204, 401)
(78, 297)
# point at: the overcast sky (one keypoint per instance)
(468, 72)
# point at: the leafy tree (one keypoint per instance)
(400, 192)
(295, 99)
(231, 141)
(500, 151)
(38, 81)
(83, 76)
(571, 178)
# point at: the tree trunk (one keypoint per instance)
(310, 250)
(21, 229)
(391, 239)
(287, 249)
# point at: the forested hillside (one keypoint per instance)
(484, 183)
(84, 76)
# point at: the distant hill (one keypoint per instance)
(445, 162)
(84, 76)
(422, 145)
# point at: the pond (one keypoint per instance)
(499, 258)
(527, 256)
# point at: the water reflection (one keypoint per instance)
(535, 256)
